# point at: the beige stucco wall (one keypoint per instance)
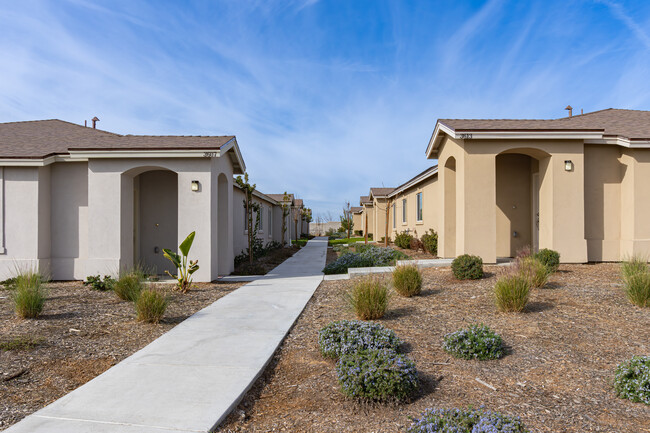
(431, 206)
(357, 221)
(379, 218)
(264, 234)
(368, 219)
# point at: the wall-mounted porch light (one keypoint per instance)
(195, 185)
(568, 165)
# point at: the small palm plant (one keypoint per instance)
(185, 266)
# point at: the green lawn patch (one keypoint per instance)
(345, 241)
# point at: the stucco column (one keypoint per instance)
(635, 204)
(476, 201)
(104, 220)
(562, 205)
(195, 214)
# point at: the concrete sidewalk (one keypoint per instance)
(189, 379)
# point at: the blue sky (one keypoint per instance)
(326, 98)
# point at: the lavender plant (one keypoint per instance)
(349, 336)
(465, 421)
(476, 342)
(377, 375)
(632, 379)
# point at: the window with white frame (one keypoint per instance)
(270, 221)
(403, 211)
(261, 213)
(394, 216)
(418, 207)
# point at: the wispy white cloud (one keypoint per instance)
(619, 12)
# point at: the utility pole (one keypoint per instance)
(365, 232)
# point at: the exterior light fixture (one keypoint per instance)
(195, 185)
(568, 165)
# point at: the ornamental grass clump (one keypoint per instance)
(364, 256)
(349, 336)
(28, 294)
(467, 267)
(377, 375)
(533, 269)
(129, 286)
(407, 280)
(150, 306)
(636, 278)
(632, 379)
(634, 265)
(465, 421)
(476, 342)
(511, 293)
(368, 298)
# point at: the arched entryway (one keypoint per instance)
(518, 182)
(450, 207)
(155, 219)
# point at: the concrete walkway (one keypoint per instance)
(189, 379)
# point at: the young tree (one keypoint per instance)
(347, 222)
(285, 213)
(250, 207)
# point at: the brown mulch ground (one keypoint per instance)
(81, 333)
(266, 263)
(557, 374)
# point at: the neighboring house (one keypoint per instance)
(414, 205)
(368, 216)
(78, 201)
(380, 207)
(270, 220)
(295, 225)
(579, 185)
(357, 218)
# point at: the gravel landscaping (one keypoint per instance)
(561, 354)
(81, 333)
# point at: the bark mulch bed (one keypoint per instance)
(81, 333)
(266, 263)
(556, 375)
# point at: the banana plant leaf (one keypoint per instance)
(187, 244)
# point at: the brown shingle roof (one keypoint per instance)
(633, 124)
(298, 202)
(43, 138)
(364, 199)
(280, 197)
(381, 192)
(356, 209)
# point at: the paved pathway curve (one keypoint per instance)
(189, 379)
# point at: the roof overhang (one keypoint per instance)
(623, 142)
(413, 182)
(509, 134)
(230, 148)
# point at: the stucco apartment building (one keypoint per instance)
(579, 185)
(77, 201)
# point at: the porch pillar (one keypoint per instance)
(562, 205)
(476, 201)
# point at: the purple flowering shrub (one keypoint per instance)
(349, 336)
(377, 375)
(632, 379)
(475, 342)
(465, 421)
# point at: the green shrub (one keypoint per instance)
(368, 298)
(633, 266)
(632, 379)
(475, 342)
(430, 242)
(467, 267)
(533, 269)
(549, 258)
(28, 294)
(365, 256)
(377, 375)
(637, 289)
(96, 282)
(407, 280)
(465, 421)
(347, 336)
(511, 293)
(128, 286)
(150, 306)
(403, 240)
